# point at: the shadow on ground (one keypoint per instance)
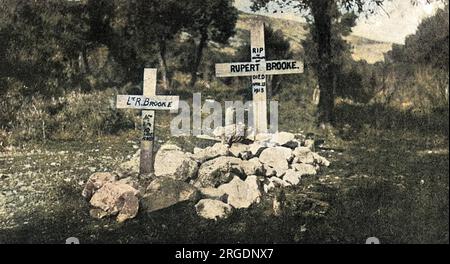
(389, 183)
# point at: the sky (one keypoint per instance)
(400, 19)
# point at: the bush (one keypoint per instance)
(94, 114)
(414, 87)
(74, 116)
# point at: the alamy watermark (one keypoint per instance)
(236, 118)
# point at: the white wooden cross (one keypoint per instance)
(258, 68)
(147, 102)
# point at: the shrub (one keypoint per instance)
(73, 116)
(94, 114)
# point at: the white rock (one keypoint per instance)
(130, 181)
(167, 147)
(279, 182)
(239, 150)
(319, 160)
(280, 171)
(197, 150)
(282, 138)
(95, 182)
(269, 171)
(253, 167)
(212, 152)
(256, 148)
(246, 155)
(218, 171)
(213, 209)
(277, 206)
(164, 192)
(175, 164)
(230, 131)
(309, 143)
(117, 198)
(276, 157)
(219, 132)
(304, 169)
(263, 137)
(213, 193)
(268, 186)
(241, 194)
(129, 208)
(292, 177)
(254, 187)
(304, 155)
(97, 213)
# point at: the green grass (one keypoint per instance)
(389, 183)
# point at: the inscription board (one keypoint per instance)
(147, 103)
(277, 67)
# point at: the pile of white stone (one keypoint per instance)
(218, 179)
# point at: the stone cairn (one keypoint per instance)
(219, 179)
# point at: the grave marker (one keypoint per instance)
(148, 103)
(258, 69)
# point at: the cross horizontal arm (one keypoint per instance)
(276, 67)
(147, 103)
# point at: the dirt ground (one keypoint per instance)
(393, 185)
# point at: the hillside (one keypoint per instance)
(366, 49)
(363, 48)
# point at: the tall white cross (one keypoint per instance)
(147, 102)
(258, 69)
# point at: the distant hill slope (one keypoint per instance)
(367, 49)
(363, 48)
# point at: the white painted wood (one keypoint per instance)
(258, 69)
(278, 67)
(259, 86)
(148, 123)
(149, 84)
(236, 69)
(147, 102)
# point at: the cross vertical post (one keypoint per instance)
(148, 121)
(258, 68)
(259, 90)
(148, 102)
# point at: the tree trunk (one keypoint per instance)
(198, 57)
(87, 68)
(163, 65)
(321, 10)
(275, 84)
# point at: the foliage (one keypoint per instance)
(74, 116)
(54, 47)
(211, 20)
(428, 46)
(322, 16)
(415, 75)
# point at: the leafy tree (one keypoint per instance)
(320, 14)
(417, 72)
(278, 47)
(39, 48)
(113, 24)
(341, 60)
(429, 45)
(157, 23)
(210, 20)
